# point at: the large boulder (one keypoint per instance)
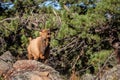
(6, 61)
(31, 70)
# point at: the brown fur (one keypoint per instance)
(39, 47)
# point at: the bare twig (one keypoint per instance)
(101, 69)
(6, 19)
(64, 47)
(85, 69)
(58, 17)
(78, 57)
(66, 8)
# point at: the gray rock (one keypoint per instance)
(112, 74)
(7, 57)
(6, 61)
(87, 77)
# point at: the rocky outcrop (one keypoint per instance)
(25, 69)
(31, 70)
(112, 74)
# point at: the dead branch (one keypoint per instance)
(6, 19)
(101, 69)
(78, 57)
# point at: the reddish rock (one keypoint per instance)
(31, 70)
